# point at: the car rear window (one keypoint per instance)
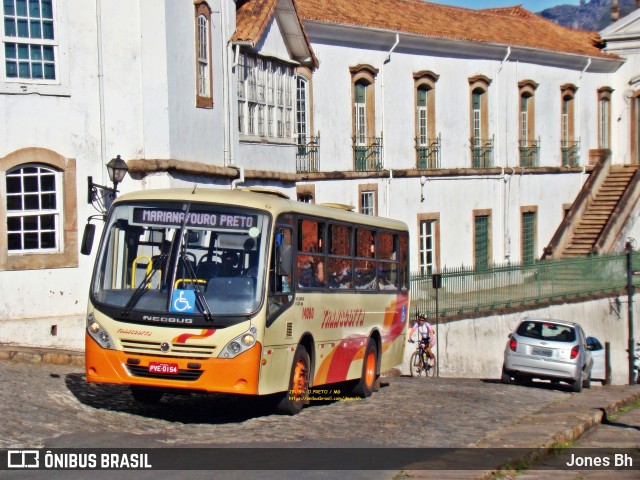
(547, 331)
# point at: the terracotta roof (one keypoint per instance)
(513, 26)
(252, 17)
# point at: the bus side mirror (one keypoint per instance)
(284, 265)
(87, 239)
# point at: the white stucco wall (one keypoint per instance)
(475, 348)
(394, 104)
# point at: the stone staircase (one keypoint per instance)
(598, 212)
(602, 215)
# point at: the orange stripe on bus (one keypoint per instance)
(192, 336)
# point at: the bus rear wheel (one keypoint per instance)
(146, 395)
(294, 399)
(364, 388)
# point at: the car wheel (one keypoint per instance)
(587, 382)
(576, 386)
(505, 378)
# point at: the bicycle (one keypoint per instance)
(420, 363)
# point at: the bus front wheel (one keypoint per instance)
(366, 385)
(294, 399)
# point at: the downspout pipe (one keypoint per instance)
(504, 60)
(579, 123)
(103, 134)
(386, 59)
(384, 145)
(240, 179)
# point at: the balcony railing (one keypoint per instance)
(569, 150)
(481, 152)
(308, 154)
(529, 153)
(428, 152)
(367, 154)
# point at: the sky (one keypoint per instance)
(531, 5)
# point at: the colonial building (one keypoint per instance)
(477, 128)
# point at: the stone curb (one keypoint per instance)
(41, 355)
(581, 423)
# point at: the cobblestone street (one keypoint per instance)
(49, 405)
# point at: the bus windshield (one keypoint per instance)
(194, 259)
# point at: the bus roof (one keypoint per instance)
(274, 202)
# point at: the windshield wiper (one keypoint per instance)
(144, 285)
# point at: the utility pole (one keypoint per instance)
(628, 247)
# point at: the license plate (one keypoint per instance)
(163, 368)
(543, 352)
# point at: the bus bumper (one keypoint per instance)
(236, 375)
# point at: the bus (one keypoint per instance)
(245, 291)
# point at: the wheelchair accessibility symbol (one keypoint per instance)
(183, 301)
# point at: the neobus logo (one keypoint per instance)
(150, 318)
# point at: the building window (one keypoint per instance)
(30, 46)
(604, 117)
(368, 199)
(308, 151)
(367, 148)
(482, 239)
(306, 193)
(528, 235)
(529, 147)
(428, 238)
(204, 96)
(426, 142)
(38, 211)
(568, 143)
(265, 98)
(33, 209)
(481, 142)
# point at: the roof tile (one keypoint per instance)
(512, 26)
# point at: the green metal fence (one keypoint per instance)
(466, 290)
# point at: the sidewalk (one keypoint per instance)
(553, 426)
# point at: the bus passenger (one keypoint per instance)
(342, 277)
(310, 272)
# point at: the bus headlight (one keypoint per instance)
(99, 334)
(239, 344)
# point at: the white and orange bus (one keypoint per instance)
(245, 292)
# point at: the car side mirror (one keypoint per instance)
(87, 239)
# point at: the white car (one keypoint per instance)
(597, 354)
(548, 349)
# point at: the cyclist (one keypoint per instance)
(426, 335)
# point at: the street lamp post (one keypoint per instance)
(628, 247)
(102, 197)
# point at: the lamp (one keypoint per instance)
(117, 169)
(102, 197)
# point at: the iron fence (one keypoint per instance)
(570, 153)
(467, 290)
(428, 152)
(367, 154)
(481, 152)
(308, 154)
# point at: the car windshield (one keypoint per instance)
(179, 258)
(543, 330)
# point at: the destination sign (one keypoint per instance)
(157, 216)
